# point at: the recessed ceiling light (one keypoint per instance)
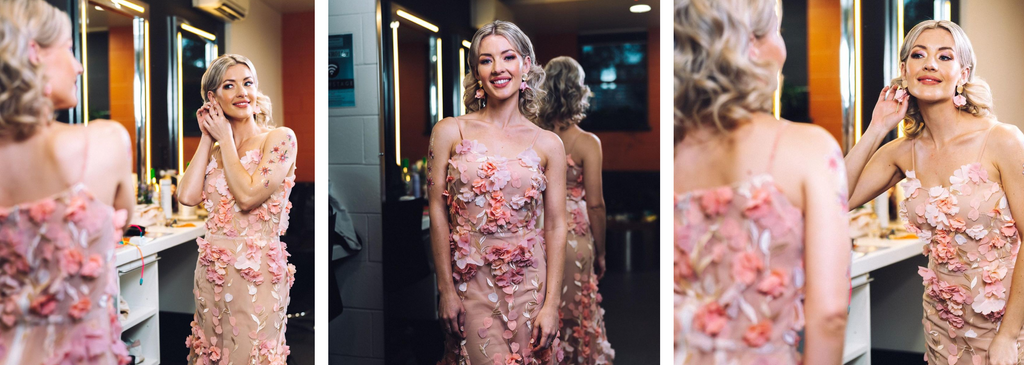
(639, 8)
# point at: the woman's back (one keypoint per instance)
(57, 238)
(59, 156)
(745, 206)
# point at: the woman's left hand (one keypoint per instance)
(217, 125)
(545, 327)
(1003, 351)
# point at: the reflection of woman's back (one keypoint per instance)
(59, 282)
(497, 248)
(62, 202)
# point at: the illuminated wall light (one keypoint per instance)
(639, 8)
(181, 116)
(199, 32)
(777, 98)
(149, 108)
(440, 94)
(899, 45)
(467, 44)
(857, 100)
(100, 8)
(462, 78)
(129, 5)
(418, 21)
(398, 114)
(947, 10)
(85, 66)
(899, 28)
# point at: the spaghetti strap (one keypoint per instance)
(85, 158)
(775, 145)
(913, 155)
(535, 138)
(985, 142)
(458, 123)
(573, 144)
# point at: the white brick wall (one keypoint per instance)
(357, 336)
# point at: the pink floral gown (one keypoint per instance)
(583, 335)
(497, 251)
(739, 275)
(242, 277)
(971, 242)
(58, 282)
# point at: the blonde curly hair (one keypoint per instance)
(976, 90)
(23, 104)
(529, 99)
(716, 82)
(215, 74)
(565, 102)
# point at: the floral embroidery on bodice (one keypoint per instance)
(971, 241)
(490, 195)
(58, 282)
(268, 220)
(739, 273)
(579, 222)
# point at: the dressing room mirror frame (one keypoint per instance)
(435, 105)
(139, 12)
(175, 90)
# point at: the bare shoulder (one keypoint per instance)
(589, 140)
(447, 128)
(281, 134)
(549, 142)
(806, 140)
(105, 137)
(1005, 139)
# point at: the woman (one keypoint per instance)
(242, 275)
(968, 227)
(756, 218)
(65, 191)
(583, 335)
(492, 176)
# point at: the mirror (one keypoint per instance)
(418, 96)
(115, 81)
(192, 52)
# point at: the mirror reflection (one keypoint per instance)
(112, 77)
(418, 99)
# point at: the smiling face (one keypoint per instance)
(933, 69)
(236, 92)
(500, 67)
(61, 69)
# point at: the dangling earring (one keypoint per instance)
(901, 92)
(479, 90)
(959, 100)
(523, 85)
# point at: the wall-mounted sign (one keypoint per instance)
(341, 72)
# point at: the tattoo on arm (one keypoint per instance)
(837, 166)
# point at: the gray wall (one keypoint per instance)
(357, 336)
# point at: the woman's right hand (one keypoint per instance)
(453, 315)
(889, 110)
(202, 112)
